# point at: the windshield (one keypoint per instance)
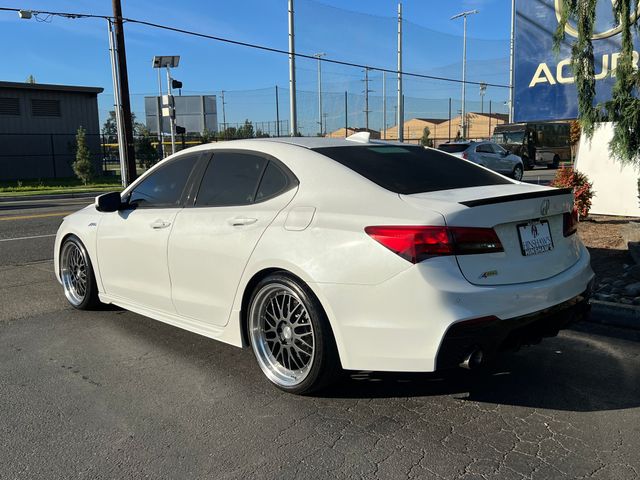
(509, 137)
(409, 170)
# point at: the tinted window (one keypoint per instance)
(484, 148)
(410, 170)
(163, 188)
(273, 182)
(453, 147)
(496, 148)
(231, 179)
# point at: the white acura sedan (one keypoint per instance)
(330, 254)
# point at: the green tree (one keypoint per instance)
(31, 79)
(623, 109)
(146, 154)
(110, 127)
(425, 140)
(246, 131)
(82, 166)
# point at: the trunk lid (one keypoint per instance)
(505, 208)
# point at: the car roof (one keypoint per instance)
(319, 142)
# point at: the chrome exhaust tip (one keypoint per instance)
(473, 360)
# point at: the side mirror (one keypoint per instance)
(109, 202)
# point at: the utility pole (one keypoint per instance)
(117, 107)
(224, 113)
(464, 15)
(319, 56)
(512, 44)
(449, 118)
(277, 114)
(293, 112)
(400, 109)
(346, 116)
(366, 98)
(384, 105)
(324, 116)
(127, 124)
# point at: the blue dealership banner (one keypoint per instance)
(544, 87)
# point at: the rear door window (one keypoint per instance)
(408, 170)
(231, 178)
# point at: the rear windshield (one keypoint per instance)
(453, 147)
(409, 170)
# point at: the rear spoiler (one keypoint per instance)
(517, 196)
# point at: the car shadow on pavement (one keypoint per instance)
(573, 373)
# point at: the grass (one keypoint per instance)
(52, 186)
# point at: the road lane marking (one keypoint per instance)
(37, 215)
(26, 238)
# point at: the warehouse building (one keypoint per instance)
(38, 125)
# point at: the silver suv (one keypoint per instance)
(487, 154)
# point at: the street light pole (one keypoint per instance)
(318, 56)
(400, 109)
(464, 15)
(172, 117)
(293, 111)
(512, 43)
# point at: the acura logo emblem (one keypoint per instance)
(544, 208)
(573, 31)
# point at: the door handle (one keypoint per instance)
(159, 224)
(240, 221)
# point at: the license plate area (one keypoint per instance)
(535, 237)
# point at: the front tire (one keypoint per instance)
(290, 335)
(556, 162)
(76, 272)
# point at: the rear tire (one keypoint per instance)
(556, 162)
(76, 273)
(517, 173)
(290, 335)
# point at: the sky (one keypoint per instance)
(66, 51)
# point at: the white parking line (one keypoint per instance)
(26, 238)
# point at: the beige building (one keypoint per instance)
(479, 126)
(414, 128)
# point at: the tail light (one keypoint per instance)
(419, 243)
(465, 155)
(570, 222)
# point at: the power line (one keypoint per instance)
(252, 45)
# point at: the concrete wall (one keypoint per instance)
(615, 185)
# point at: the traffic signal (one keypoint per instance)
(180, 130)
(176, 83)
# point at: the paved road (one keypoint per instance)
(28, 227)
(542, 176)
(111, 394)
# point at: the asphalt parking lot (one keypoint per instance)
(111, 394)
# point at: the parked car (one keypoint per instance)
(487, 154)
(328, 254)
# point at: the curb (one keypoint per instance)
(615, 314)
(56, 196)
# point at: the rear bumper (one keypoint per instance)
(402, 324)
(492, 335)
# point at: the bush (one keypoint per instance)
(567, 177)
(82, 166)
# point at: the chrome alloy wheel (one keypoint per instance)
(73, 271)
(282, 334)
